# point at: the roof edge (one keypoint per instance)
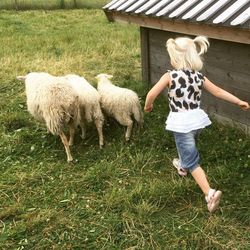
(232, 34)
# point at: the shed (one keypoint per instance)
(225, 22)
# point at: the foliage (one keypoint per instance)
(127, 195)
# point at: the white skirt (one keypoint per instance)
(186, 121)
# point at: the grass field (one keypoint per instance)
(50, 4)
(127, 195)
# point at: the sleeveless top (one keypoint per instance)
(184, 96)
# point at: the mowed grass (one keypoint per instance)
(127, 195)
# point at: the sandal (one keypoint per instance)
(181, 171)
(213, 199)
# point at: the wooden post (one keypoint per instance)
(145, 54)
(62, 4)
(75, 3)
(16, 4)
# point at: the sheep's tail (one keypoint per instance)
(137, 112)
(54, 120)
(57, 117)
(21, 78)
(88, 113)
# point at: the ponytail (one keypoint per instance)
(170, 41)
(202, 43)
(171, 45)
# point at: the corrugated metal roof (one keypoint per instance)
(157, 7)
(213, 12)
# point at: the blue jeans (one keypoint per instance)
(187, 151)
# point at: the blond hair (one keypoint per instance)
(185, 53)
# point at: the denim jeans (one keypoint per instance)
(187, 151)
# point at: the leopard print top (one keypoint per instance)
(185, 91)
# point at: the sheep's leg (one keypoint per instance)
(129, 130)
(71, 135)
(72, 129)
(66, 145)
(83, 128)
(99, 125)
(128, 123)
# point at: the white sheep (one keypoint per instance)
(119, 103)
(89, 104)
(53, 101)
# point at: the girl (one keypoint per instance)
(186, 118)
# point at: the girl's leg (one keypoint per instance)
(212, 196)
(189, 158)
(201, 179)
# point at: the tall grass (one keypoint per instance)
(126, 196)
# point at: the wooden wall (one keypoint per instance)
(227, 64)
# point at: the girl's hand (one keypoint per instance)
(155, 91)
(148, 108)
(243, 105)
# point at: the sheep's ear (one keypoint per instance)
(109, 76)
(21, 78)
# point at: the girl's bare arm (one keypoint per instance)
(155, 91)
(223, 94)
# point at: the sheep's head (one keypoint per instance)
(103, 76)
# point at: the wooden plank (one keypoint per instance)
(221, 61)
(219, 77)
(226, 109)
(222, 33)
(228, 79)
(228, 56)
(230, 122)
(230, 61)
(155, 77)
(157, 71)
(232, 111)
(159, 58)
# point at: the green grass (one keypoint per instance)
(127, 195)
(50, 4)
